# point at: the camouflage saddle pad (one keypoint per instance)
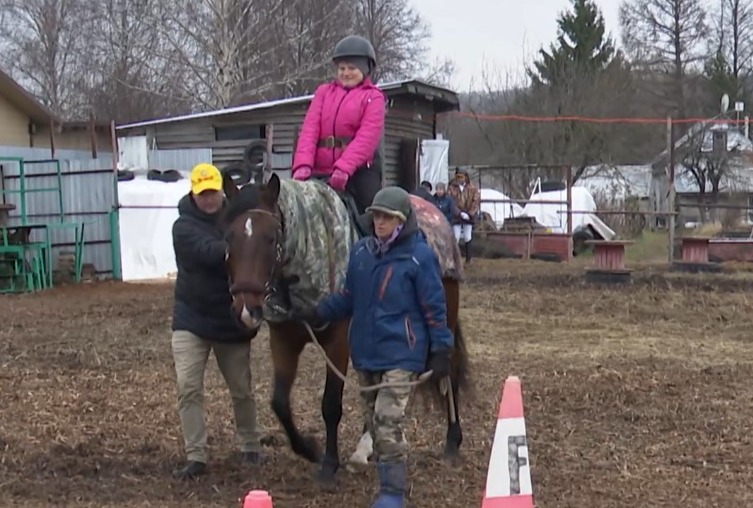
(320, 232)
(318, 238)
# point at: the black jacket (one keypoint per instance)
(202, 295)
(423, 192)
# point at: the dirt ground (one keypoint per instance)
(634, 396)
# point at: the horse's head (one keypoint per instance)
(254, 234)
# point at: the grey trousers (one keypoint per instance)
(190, 354)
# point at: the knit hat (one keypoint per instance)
(393, 201)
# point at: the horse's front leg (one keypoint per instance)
(287, 343)
(336, 347)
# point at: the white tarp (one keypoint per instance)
(554, 216)
(434, 161)
(498, 211)
(133, 153)
(146, 242)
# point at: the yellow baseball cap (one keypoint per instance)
(205, 177)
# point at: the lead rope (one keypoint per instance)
(445, 386)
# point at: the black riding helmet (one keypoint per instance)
(354, 48)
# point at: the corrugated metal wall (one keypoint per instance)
(88, 196)
(182, 160)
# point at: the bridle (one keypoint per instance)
(270, 286)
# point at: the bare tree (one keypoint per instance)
(122, 83)
(399, 35)
(40, 43)
(733, 35)
(306, 36)
(710, 158)
(664, 37)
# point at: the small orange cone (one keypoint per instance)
(258, 499)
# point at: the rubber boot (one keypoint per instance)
(393, 477)
(468, 251)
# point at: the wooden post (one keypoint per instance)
(52, 138)
(93, 134)
(269, 135)
(671, 179)
(115, 154)
(570, 211)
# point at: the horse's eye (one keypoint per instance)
(269, 239)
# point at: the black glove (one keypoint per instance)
(311, 317)
(439, 364)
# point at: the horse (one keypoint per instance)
(298, 235)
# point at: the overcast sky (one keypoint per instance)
(501, 34)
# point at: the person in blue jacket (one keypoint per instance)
(393, 292)
(445, 203)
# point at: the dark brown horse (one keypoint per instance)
(264, 229)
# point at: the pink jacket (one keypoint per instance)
(356, 113)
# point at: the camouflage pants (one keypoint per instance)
(385, 412)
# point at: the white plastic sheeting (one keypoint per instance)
(498, 211)
(554, 216)
(434, 161)
(147, 212)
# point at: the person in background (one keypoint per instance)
(343, 127)
(202, 322)
(468, 200)
(445, 203)
(424, 191)
(393, 292)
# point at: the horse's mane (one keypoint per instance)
(248, 197)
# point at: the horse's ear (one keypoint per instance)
(228, 185)
(272, 188)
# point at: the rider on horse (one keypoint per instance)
(393, 292)
(343, 128)
(341, 133)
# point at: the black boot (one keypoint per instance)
(191, 470)
(468, 251)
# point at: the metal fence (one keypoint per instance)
(87, 194)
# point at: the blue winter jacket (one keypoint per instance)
(397, 304)
(447, 206)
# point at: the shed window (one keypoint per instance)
(239, 132)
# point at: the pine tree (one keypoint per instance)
(582, 45)
(721, 79)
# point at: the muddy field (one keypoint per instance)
(635, 396)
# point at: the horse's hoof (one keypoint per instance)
(309, 449)
(326, 476)
(452, 453)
